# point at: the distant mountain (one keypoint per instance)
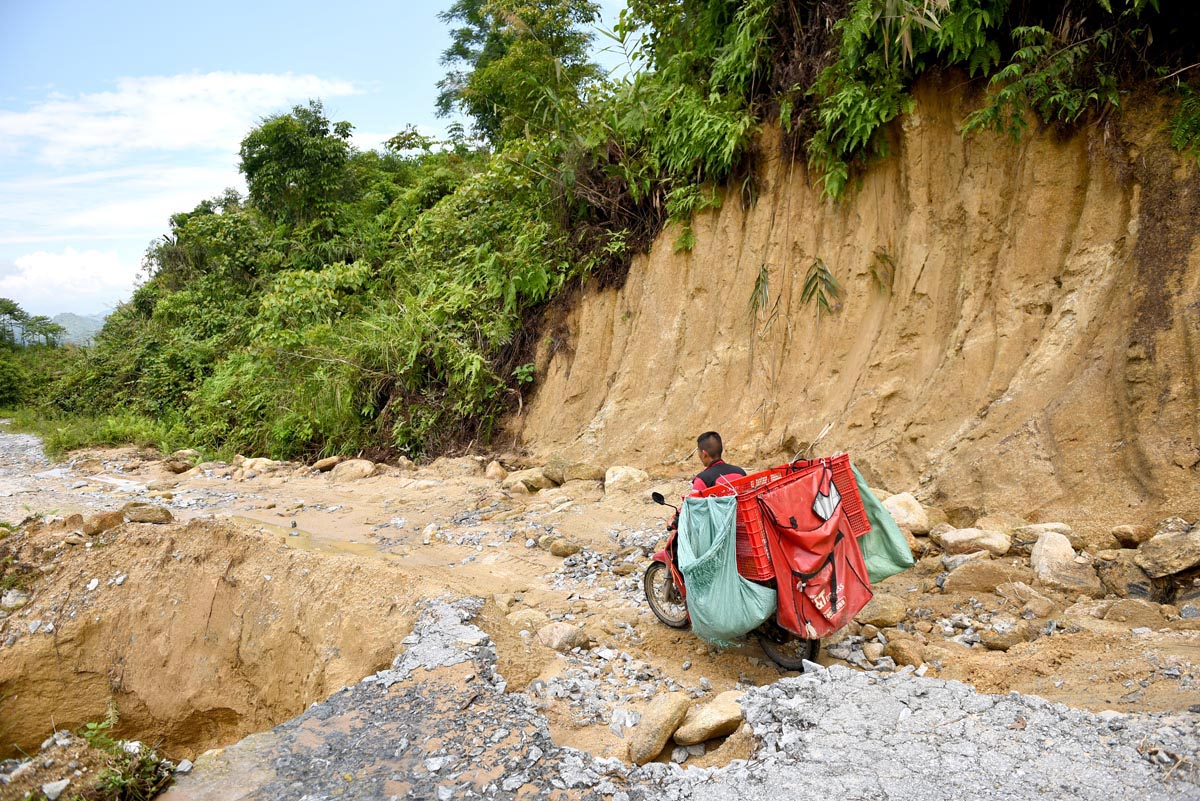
(80, 328)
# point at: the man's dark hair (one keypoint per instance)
(710, 443)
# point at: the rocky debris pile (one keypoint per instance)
(439, 725)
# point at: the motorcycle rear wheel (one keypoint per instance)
(786, 649)
(664, 597)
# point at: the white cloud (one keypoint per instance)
(84, 282)
(200, 112)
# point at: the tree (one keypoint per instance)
(515, 64)
(43, 328)
(12, 318)
(295, 164)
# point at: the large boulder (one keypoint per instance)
(1174, 549)
(1120, 576)
(582, 471)
(658, 723)
(1056, 565)
(882, 611)
(908, 512)
(720, 717)
(352, 470)
(621, 477)
(556, 470)
(969, 540)
(531, 479)
(984, 575)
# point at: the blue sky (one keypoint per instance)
(115, 115)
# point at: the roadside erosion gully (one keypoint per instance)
(508, 651)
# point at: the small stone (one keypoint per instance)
(495, 471)
(1132, 536)
(102, 522)
(905, 652)
(352, 470)
(622, 478)
(883, 610)
(93, 584)
(718, 718)
(531, 480)
(328, 463)
(872, 650)
(659, 722)
(562, 637)
(908, 512)
(970, 540)
(953, 562)
(54, 789)
(1003, 637)
(137, 512)
(74, 539)
(13, 600)
(562, 547)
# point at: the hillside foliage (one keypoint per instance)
(388, 301)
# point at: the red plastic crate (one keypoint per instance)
(753, 557)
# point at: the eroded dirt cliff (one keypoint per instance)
(1017, 327)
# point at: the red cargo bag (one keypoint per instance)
(820, 573)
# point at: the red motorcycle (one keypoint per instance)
(667, 595)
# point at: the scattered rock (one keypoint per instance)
(658, 723)
(495, 471)
(562, 637)
(137, 512)
(1132, 536)
(969, 540)
(620, 477)
(102, 522)
(562, 547)
(1025, 536)
(1096, 609)
(54, 789)
(1173, 549)
(74, 539)
(872, 650)
(953, 562)
(1030, 599)
(532, 480)
(582, 471)
(905, 651)
(1136, 613)
(352, 470)
(718, 718)
(14, 599)
(908, 512)
(555, 470)
(883, 610)
(935, 533)
(1056, 566)
(328, 463)
(984, 575)
(1004, 635)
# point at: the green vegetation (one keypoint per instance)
(388, 302)
(130, 775)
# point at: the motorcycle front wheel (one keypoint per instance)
(664, 597)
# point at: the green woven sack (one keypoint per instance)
(723, 605)
(884, 548)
